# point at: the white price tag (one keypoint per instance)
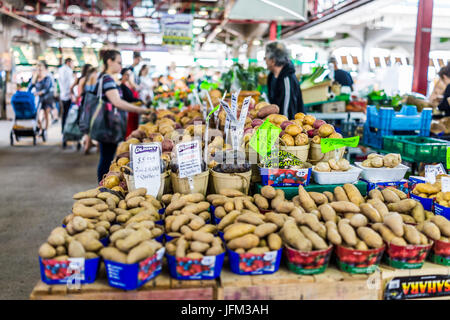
(147, 166)
(431, 171)
(189, 159)
(445, 184)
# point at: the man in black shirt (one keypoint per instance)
(444, 105)
(282, 84)
(341, 76)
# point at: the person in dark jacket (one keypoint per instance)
(283, 86)
(444, 105)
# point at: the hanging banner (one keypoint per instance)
(177, 29)
(146, 160)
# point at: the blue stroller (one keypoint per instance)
(23, 103)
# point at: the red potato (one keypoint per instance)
(167, 145)
(318, 123)
(285, 124)
(257, 122)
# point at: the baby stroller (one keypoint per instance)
(24, 106)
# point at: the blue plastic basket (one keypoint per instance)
(442, 211)
(207, 268)
(57, 271)
(427, 203)
(132, 276)
(255, 264)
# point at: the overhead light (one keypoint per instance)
(97, 45)
(60, 26)
(218, 30)
(199, 23)
(197, 31)
(45, 17)
(28, 8)
(256, 42)
(74, 9)
(125, 25)
(201, 39)
(172, 11)
(203, 12)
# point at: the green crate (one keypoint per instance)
(291, 192)
(417, 148)
(393, 144)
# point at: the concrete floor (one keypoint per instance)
(38, 184)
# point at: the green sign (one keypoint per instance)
(448, 157)
(264, 138)
(329, 144)
(212, 111)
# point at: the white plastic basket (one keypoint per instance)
(382, 174)
(337, 177)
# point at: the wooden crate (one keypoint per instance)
(163, 287)
(332, 107)
(286, 285)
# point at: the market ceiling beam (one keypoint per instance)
(220, 27)
(9, 12)
(326, 15)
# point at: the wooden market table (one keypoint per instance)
(333, 284)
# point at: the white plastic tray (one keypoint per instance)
(336, 177)
(382, 174)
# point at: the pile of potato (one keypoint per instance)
(332, 165)
(195, 245)
(131, 245)
(390, 160)
(393, 200)
(229, 200)
(443, 198)
(138, 206)
(303, 232)
(186, 213)
(437, 228)
(97, 207)
(61, 245)
(252, 232)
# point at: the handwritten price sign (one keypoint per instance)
(147, 166)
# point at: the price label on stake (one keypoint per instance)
(329, 144)
(189, 159)
(448, 158)
(147, 166)
(431, 171)
(445, 184)
(264, 138)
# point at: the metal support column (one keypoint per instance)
(273, 31)
(422, 46)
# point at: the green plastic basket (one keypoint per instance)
(417, 148)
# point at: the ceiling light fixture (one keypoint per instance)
(45, 17)
(203, 12)
(202, 39)
(197, 31)
(60, 26)
(125, 25)
(172, 11)
(218, 30)
(199, 23)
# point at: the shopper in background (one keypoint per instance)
(282, 84)
(86, 83)
(66, 80)
(43, 85)
(79, 83)
(444, 105)
(132, 96)
(145, 84)
(341, 76)
(439, 88)
(112, 96)
(134, 67)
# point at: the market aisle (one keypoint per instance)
(38, 184)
